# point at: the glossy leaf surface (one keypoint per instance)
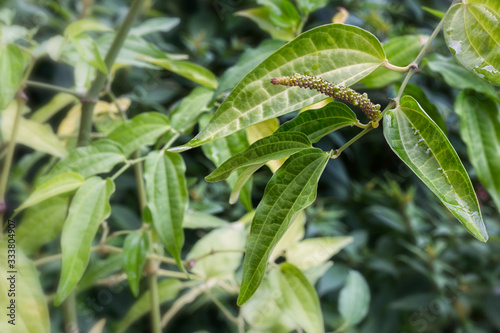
(421, 145)
(167, 195)
(318, 123)
(274, 147)
(480, 130)
(472, 33)
(291, 189)
(339, 53)
(88, 208)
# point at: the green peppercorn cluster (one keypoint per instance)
(348, 95)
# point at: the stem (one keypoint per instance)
(155, 302)
(395, 68)
(176, 275)
(350, 142)
(418, 59)
(69, 314)
(224, 310)
(180, 302)
(139, 180)
(54, 88)
(100, 80)
(119, 172)
(21, 101)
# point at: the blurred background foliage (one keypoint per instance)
(425, 272)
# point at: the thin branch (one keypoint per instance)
(52, 87)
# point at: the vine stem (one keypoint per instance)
(337, 152)
(52, 87)
(90, 99)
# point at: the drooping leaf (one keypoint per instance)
(189, 70)
(32, 234)
(274, 147)
(56, 103)
(76, 28)
(23, 301)
(291, 189)
(313, 252)
(318, 123)
(99, 157)
(39, 137)
(221, 150)
(167, 290)
(135, 250)
(167, 196)
(63, 183)
(458, 77)
(88, 208)
(400, 51)
(472, 33)
(156, 24)
(241, 181)
(421, 145)
(301, 299)
(354, 298)
(12, 64)
(340, 53)
(480, 130)
(142, 130)
(207, 262)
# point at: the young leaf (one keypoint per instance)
(89, 52)
(100, 157)
(309, 6)
(56, 104)
(29, 313)
(318, 123)
(88, 208)
(480, 130)
(208, 263)
(189, 70)
(156, 24)
(400, 51)
(135, 250)
(342, 54)
(167, 195)
(313, 252)
(167, 290)
(12, 64)
(421, 145)
(354, 298)
(142, 130)
(472, 35)
(262, 130)
(190, 108)
(291, 189)
(101, 269)
(262, 17)
(31, 235)
(63, 183)
(301, 299)
(274, 147)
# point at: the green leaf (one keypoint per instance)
(99, 157)
(167, 195)
(309, 6)
(208, 263)
(318, 123)
(142, 130)
(457, 77)
(292, 235)
(262, 17)
(291, 189)
(340, 53)
(354, 298)
(480, 130)
(198, 220)
(246, 62)
(472, 33)
(101, 269)
(274, 147)
(80, 26)
(63, 183)
(439, 14)
(30, 312)
(400, 51)
(421, 145)
(39, 137)
(189, 70)
(301, 299)
(421, 98)
(88, 208)
(167, 290)
(56, 104)
(190, 108)
(135, 250)
(89, 52)
(221, 150)
(313, 252)
(163, 24)
(13, 61)
(41, 224)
